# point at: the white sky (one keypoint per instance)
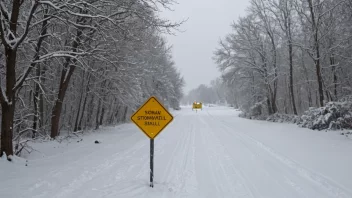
(208, 21)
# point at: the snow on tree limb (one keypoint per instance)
(118, 44)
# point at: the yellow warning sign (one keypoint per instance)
(152, 117)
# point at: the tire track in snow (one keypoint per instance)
(247, 158)
(260, 165)
(325, 184)
(332, 187)
(179, 175)
(234, 184)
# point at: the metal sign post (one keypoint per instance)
(151, 162)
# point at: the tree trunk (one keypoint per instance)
(317, 53)
(83, 109)
(56, 113)
(333, 68)
(291, 78)
(84, 104)
(90, 112)
(110, 114)
(276, 78)
(117, 113)
(272, 101)
(309, 94)
(8, 99)
(78, 113)
(125, 114)
(310, 98)
(102, 103)
(36, 101)
(328, 95)
(41, 101)
(102, 115)
(317, 97)
(8, 104)
(111, 120)
(270, 111)
(97, 115)
(286, 96)
(7, 117)
(299, 99)
(318, 70)
(79, 105)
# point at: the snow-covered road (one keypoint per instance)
(209, 153)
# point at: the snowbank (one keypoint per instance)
(334, 116)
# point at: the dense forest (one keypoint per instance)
(216, 93)
(288, 55)
(75, 65)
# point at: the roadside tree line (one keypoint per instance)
(75, 65)
(288, 55)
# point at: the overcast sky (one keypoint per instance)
(208, 21)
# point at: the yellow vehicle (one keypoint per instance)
(197, 105)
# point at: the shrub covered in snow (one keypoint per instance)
(283, 118)
(335, 115)
(256, 112)
(346, 99)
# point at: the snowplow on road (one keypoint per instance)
(197, 105)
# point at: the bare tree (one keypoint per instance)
(66, 41)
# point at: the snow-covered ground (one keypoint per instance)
(209, 153)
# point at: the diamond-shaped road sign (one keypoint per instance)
(152, 117)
